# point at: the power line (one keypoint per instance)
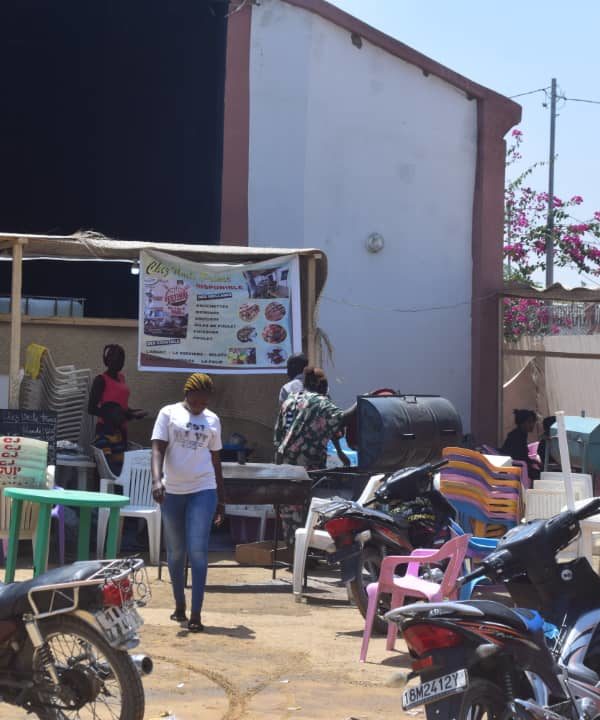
(558, 97)
(432, 308)
(531, 92)
(582, 100)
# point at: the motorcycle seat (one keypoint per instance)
(519, 618)
(13, 597)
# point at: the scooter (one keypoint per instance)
(480, 658)
(410, 513)
(65, 638)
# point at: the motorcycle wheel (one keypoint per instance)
(368, 565)
(483, 700)
(97, 681)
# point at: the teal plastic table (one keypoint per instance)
(85, 501)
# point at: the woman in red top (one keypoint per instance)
(109, 402)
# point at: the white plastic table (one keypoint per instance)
(499, 460)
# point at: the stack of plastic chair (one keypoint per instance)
(411, 585)
(548, 496)
(23, 463)
(64, 390)
(533, 455)
(488, 499)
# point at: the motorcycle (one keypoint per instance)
(416, 515)
(65, 637)
(480, 658)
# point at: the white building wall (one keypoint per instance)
(345, 142)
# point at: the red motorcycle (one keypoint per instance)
(410, 513)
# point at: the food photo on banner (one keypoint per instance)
(226, 318)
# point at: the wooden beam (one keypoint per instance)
(15, 325)
(311, 289)
(551, 354)
(500, 380)
(9, 243)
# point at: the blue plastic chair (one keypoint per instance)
(478, 548)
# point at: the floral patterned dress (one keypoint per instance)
(306, 423)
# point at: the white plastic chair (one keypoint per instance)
(262, 512)
(548, 496)
(307, 537)
(136, 481)
(581, 480)
(102, 465)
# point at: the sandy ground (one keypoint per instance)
(263, 656)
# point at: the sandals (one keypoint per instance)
(195, 626)
(179, 616)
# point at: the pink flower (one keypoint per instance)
(581, 228)
(576, 200)
(516, 133)
(597, 215)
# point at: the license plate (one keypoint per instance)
(435, 689)
(119, 624)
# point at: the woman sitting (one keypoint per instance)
(516, 444)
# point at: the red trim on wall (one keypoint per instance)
(493, 122)
(236, 130)
(395, 47)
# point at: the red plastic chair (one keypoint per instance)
(411, 585)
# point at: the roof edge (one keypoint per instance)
(395, 47)
(517, 289)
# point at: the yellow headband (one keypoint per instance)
(198, 381)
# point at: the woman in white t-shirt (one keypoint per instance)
(188, 483)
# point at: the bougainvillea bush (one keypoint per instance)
(576, 245)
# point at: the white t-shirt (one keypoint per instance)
(188, 464)
(293, 386)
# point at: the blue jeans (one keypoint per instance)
(187, 522)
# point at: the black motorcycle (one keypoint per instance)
(481, 659)
(65, 638)
(410, 513)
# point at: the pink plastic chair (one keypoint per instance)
(411, 585)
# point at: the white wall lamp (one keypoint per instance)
(135, 267)
(375, 243)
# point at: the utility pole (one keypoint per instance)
(550, 221)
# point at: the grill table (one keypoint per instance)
(264, 484)
(85, 501)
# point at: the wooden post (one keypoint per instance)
(500, 405)
(311, 289)
(15, 323)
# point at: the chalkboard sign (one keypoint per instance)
(37, 424)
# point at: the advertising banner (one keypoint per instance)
(222, 318)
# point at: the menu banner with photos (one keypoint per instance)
(222, 318)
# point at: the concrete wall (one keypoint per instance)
(345, 142)
(569, 384)
(246, 404)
